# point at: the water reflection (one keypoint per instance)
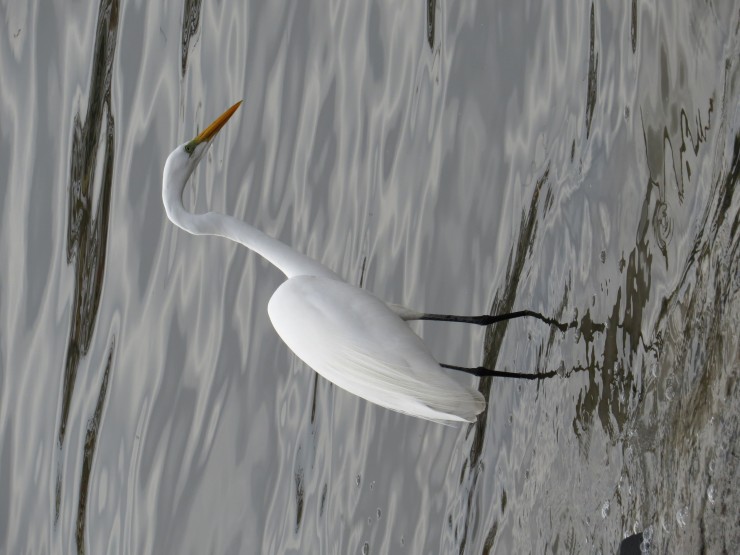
(633, 26)
(609, 381)
(651, 376)
(299, 498)
(593, 76)
(686, 384)
(579, 160)
(87, 235)
(431, 21)
(91, 440)
(190, 24)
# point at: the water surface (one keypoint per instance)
(576, 159)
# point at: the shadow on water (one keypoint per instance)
(87, 236)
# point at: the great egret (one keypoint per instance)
(345, 333)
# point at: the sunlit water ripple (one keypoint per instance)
(580, 160)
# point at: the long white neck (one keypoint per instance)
(288, 261)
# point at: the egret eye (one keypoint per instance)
(189, 148)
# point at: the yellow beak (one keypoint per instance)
(211, 131)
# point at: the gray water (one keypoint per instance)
(576, 159)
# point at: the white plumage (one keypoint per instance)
(354, 340)
(346, 334)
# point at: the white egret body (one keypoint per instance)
(346, 334)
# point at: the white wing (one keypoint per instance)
(354, 340)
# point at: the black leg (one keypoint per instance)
(487, 320)
(488, 373)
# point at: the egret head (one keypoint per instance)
(185, 158)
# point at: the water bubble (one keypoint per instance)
(647, 534)
(711, 494)
(711, 467)
(365, 548)
(671, 386)
(403, 540)
(653, 368)
(379, 514)
(358, 479)
(369, 520)
(664, 524)
(662, 225)
(372, 485)
(647, 539)
(605, 509)
(694, 468)
(682, 515)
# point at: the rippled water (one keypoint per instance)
(576, 159)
